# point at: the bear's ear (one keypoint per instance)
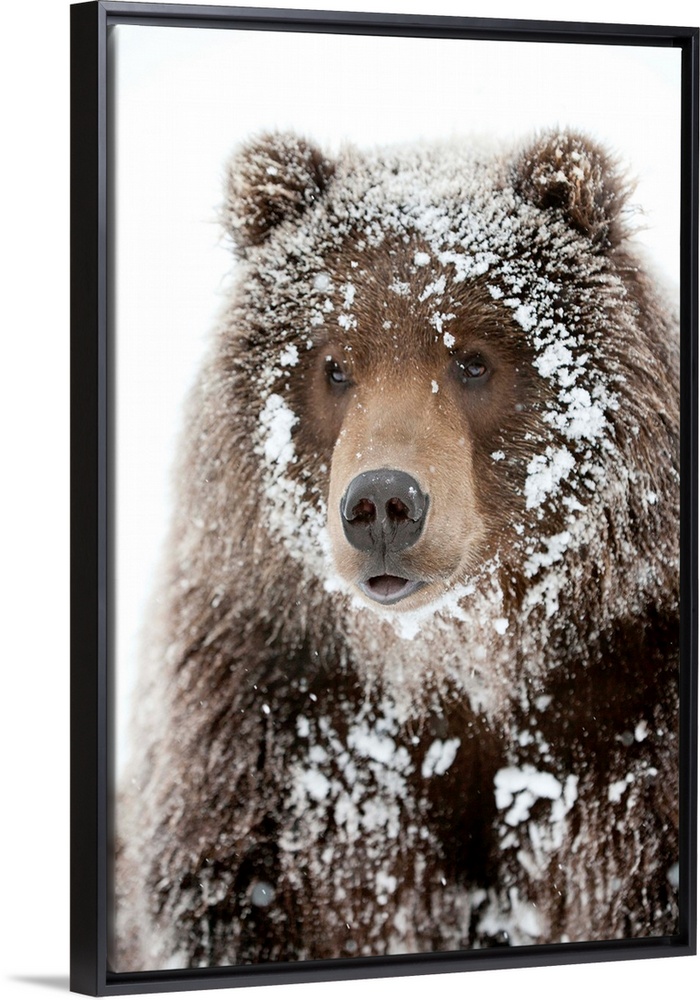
(570, 175)
(274, 177)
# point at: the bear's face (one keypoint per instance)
(412, 407)
(435, 373)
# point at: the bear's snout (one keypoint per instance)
(383, 511)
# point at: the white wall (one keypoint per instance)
(34, 515)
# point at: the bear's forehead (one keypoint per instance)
(422, 225)
(387, 269)
(418, 197)
(400, 295)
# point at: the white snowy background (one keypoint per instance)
(34, 397)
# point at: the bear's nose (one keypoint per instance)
(384, 509)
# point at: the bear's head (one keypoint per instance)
(435, 354)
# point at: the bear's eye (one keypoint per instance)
(472, 370)
(336, 376)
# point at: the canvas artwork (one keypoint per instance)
(406, 677)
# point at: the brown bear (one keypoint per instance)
(413, 668)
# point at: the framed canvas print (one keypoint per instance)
(384, 341)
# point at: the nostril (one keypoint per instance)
(364, 512)
(397, 510)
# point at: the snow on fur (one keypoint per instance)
(336, 778)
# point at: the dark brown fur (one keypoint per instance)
(281, 804)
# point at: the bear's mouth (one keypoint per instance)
(386, 589)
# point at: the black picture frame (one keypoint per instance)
(92, 499)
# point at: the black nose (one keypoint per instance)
(383, 509)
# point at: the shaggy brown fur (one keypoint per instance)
(492, 759)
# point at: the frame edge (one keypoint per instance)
(88, 309)
(89, 624)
